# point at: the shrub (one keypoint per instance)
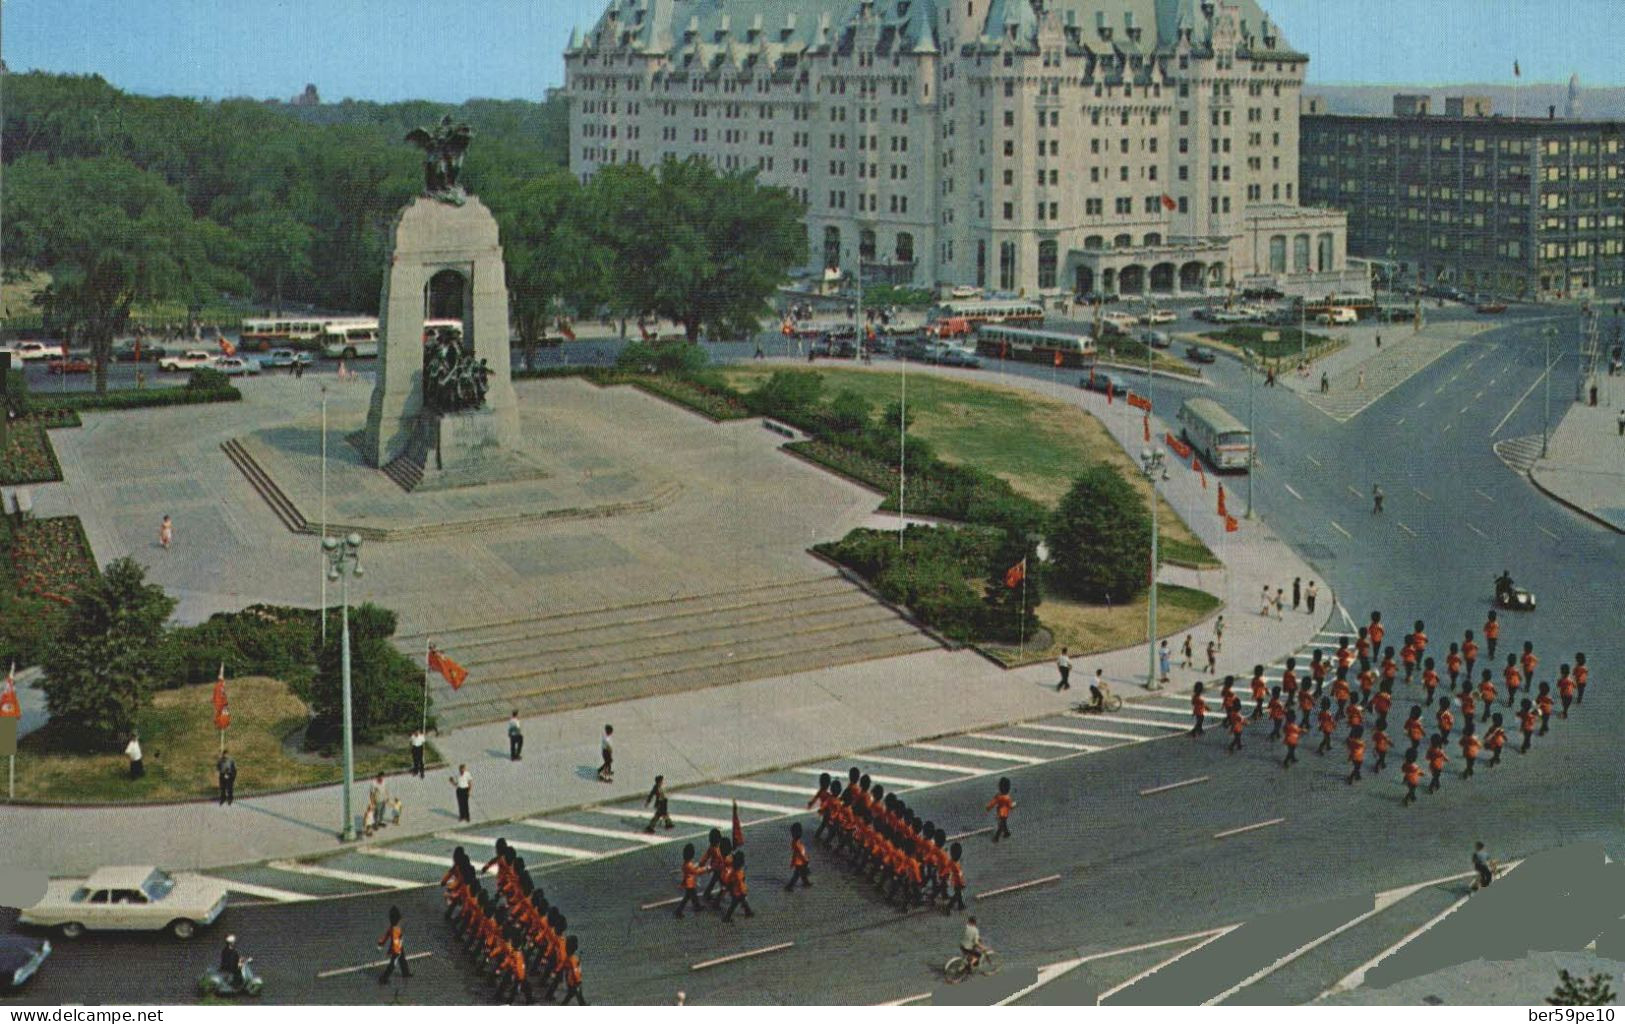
(849, 413)
(386, 686)
(787, 394)
(1100, 538)
(205, 379)
(139, 398)
(674, 358)
(261, 640)
(930, 573)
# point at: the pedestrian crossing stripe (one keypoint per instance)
(359, 878)
(994, 737)
(723, 801)
(1138, 721)
(1098, 733)
(406, 855)
(641, 813)
(1169, 709)
(771, 787)
(567, 852)
(900, 762)
(266, 892)
(894, 781)
(589, 830)
(943, 748)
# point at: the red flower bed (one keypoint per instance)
(28, 457)
(51, 559)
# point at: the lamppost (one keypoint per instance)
(1547, 333)
(1151, 465)
(1252, 432)
(324, 511)
(344, 561)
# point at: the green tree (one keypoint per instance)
(554, 266)
(1013, 610)
(275, 250)
(1571, 991)
(849, 413)
(386, 686)
(110, 235)
(1100, 538)
(102, 670)
(787, 392)
(697, 246)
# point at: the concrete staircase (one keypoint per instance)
(262, 483)
(575, 659)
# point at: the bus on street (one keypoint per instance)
(1224, 441)
(997, 341)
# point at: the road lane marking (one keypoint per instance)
(657, 904)
(1273, 434)
(1400, 422)
(1213, 937)
(1247, 828)
(1018, 887)
(568, 852)
(1354, 492)
(1478, 396)
(944, 748)
(1182, 709)
(406, 855)
(906, 1000)
(1440, 389)
(1050, 972)
(973, 832)
(724, 801)
(266, 892)
(589, 830)
(1127, 737)
(1423, 494)
(1463, 411)
(1421, 403)
(1494, 379)
(1476, 530)
(641, 814)
(894, 781)
(1481, 494)
(1176, 785)
(1447, 428)
(1339, 529)
(770, 787)
(360, 878)
(1547, 532)
(1030, 742)
(703, 964)
(1520, 401)
(1292, 492)
(1407, 529)
(935, 766)
(336, 971)
(1311, 458)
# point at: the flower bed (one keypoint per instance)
(51, 559)
(709, 402)
(28, 457)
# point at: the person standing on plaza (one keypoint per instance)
(1063, 665)
(606, 749)
(1376, 499)
(1163, 662)
(1297, 591)
(1356, 748)
(1212, 657)
(1198, 710)
(417, 741)
(463, 783)
(1266, 602)
(1002, 804)
(225, 771)
(800, 865)
(1309, 595)
(166, 533)
(1187, 653)
(393, 944)
(1279, 602)
(516, 737)
(132, 750)
(1582, 675)
(657, 794)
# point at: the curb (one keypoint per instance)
(1571, 506)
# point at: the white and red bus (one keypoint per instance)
(991, 311)
(1051, 348)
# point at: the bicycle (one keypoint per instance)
(958, 967)
(1109, 701)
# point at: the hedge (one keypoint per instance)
(931, 573)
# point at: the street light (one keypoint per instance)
(344, 561)
(1252, 430)
(1151, 465)
(1546, 420)
(324, 509)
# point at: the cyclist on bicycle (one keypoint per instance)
(971, 945)
(1097, 697)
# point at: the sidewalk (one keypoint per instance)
(707, 734)
(1585, 463)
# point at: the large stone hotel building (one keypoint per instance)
(1047, 147)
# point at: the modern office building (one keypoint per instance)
(1520, 207)
(1047, 147)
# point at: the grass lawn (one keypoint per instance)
(1035, 443)
(1090, 629)
(1126, 351)
(1288, 345)
(181, 744)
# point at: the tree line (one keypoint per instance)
(127, 200)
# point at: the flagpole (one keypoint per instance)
(322, 551)
(426, 656)
(1021, 648)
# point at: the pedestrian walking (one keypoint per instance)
(691, 882)
(1063, 665)
(132, 750)
(1309, 595)
(1411, 776)
(1482, 865)
(1297, 592)
(737, 889)
(1359, 380)
(1277, 713)
(1444, 719)
(463, 783)
(1218, 633)
(606, 748)
(1376, 499)
(1565, 689)
(1198, 710)
(1469, 653)
(1002, 804)
(1582, 675)
(1381, 744)
(416, 743)
(571, 971)
(1492, 633)
(1543, 706)
(1266, 602)
(1280, 602)
(800, 865)
(1470, 748)
(1290, 734)
(1325, 383)
(1187, 655)
(1260, 691)
(1163, 660)
(1212, 657)
(516, 737)
(1328, 726)
(1437, 759)
(166, 533)
(378, 796)
(1235, 723)
(393, 943)
(657, 793)
(225, 771)
(1496, 740)
(1356, 749)
(1511, 678)
(1486, 694)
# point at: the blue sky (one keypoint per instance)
(392, 49)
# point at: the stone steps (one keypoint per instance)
(262, 483)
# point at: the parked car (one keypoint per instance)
(1156, 339)
(188, 360)
(72, 364)
(1102, 382)
(1491, 306)
(1224, 316)
(1120, 323)
(1337, 315)
(20, 958)
(956, 355)
(1200, 354)
(1265, 294)
(1158, 316)
(1099, 297)
(279, 358)
(125, 352)
(236, 366)
(128, 899)
(28, 351)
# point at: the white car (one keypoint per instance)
(1122, 323)
(186, 361)
(128, 899)
(28, 351)
(1159, 316)
(232, 366)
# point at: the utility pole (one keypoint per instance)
(1546, 420)
(1252, 433)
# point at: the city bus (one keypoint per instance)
(991, 311)
(998, 341)
(350, 339)
(262, 333)
(432, 330)
(1224, 441)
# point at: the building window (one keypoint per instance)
(1007, 265)
(1300, 254)
(905, 247)
(1047, 263)
(1277, 254)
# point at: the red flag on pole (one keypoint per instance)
(222, 720)
(1230, 524)
(739, 829)
(1015, 574)
(9, 706)
(1222, 511)
(1147, 422)
(219, 700)
(1109, 389)
(226, 347)
(453, 673)
(1196, 464)
(1168, 203)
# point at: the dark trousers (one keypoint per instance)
(1492, 642)
(1467, 773)
(1354, 776)
(228, 789)
(1066, 676)
(1495, 757)
(712, 883)
(1484, 875)
(516, 745)
(1275, 729)
(573, 992)
(1309, 602)
(1528, 738)
(462, 805)
(1003, 829)
(137, 769)
(689, 897)
(417, 761)
(1382, 761)
(1545, 722)
(1410, 794)
(1235, 743)
(1196, 730)
(1434, 785)
(803, 874)
(734, 903)
(1291, 755)
(389, 968)
(659, 816)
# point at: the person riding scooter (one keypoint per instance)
(1503, 587)
(231, 962)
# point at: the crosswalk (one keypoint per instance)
(616, 828)
(1356, 388)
